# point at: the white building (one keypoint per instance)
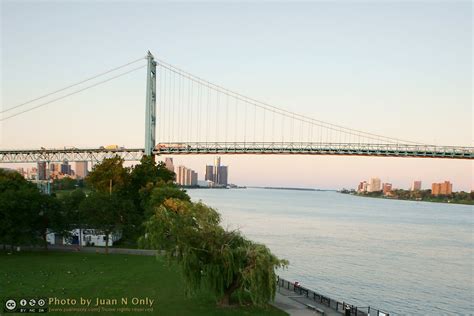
(82, 237)
(374, 185)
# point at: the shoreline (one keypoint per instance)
(411, 200)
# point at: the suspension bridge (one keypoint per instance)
(187, 115)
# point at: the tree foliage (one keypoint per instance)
(110, 174)
(26, 213)
(106, 213)
(220, 260)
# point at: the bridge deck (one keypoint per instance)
(201, 148)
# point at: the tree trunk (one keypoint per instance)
(45, 239)
(225, 300)
(107, 243)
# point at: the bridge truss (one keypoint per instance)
(251, 148)
(74, 154)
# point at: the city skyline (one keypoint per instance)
(356, 69)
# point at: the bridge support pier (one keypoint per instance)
(150, 112)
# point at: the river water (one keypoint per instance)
(404, 257)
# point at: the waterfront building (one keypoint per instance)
(186, 177)
(217, 173)
(217, 165)
(374, 185)
(222, 175)
(362, 187)
(169, 164)
(194, 178)
(443, 188)
(416, 186)
(42, 173)
(387, 189)
(209, 173)
(180, 175)
(81, 169)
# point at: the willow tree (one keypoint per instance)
(222, 261)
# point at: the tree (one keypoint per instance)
(106, 213)
(143, 178)
(222, 261)
(150, 172)
(20, 204)
(109, 175)
(70, 203)
(65, 183)
(155, 196)
(51, 218)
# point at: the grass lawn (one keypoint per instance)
(91, 276)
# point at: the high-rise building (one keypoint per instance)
(186, 177)
(194, 178)
(374, 185)
(222, 180)
(217, 164)
(416, 186)
(362, 187)
(443, 188)
(217, 174)
(65, 167)
(42, 173)
(209, 173)
(169, 164)
(180, 175)
(81, 169)
(387, 188)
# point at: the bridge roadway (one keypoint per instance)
(233, 148)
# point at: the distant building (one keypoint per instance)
(42, 172)
(416, 186)
(66, 167)
(217, 164)
(387, 188)
(362, 187)
(209, 173)
(194, 178)
(374, 185)
(217, 174)
(81, 169)
(169, 164)
(180, 175)
(186, 177)
(222, 180)
(443, 188)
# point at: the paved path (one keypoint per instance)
(294, 304)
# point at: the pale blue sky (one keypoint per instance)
(401, 69)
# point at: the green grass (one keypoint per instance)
(76, 275)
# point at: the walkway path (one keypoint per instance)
(295, 304)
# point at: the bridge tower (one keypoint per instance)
(150, 112)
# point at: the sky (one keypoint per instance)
(401, 69)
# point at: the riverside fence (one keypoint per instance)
(342, 307)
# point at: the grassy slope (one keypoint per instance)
(72, 275)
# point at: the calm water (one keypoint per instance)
(402, 256)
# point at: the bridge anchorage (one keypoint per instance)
(197, 117)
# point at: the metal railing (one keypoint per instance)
(329, 302)
(342, 149)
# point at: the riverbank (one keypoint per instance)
(431, 200)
